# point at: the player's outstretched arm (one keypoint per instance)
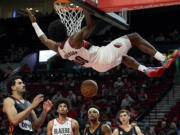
(37, 122)
(13, 115)
(88, 29)
(85, 32)
(52, 45)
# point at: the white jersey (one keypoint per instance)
(62, 128)
(102, 58)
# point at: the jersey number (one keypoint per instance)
(79, 60)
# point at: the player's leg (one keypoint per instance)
(150, 71)
(146, 47)
(118, 49)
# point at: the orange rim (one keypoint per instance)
(70, 8)
(62, 1)
(65, 2)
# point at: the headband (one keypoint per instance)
(93, 109)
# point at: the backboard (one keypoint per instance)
(118, 19)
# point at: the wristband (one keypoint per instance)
(37, 29)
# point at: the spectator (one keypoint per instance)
(142, 96)
(56, 97)
(82, 111)
(173, 130)
(7, 71)
(118, 84)
(126, 101)
(163, 128)
(133, 113)
(144, 59)
(79, 101)
(51, 92)
(127, 84)
(71, 83)
(104, 90)
(175, 120)
(44, 131)
(150, 130)
(72, 97)
(160, 37)
(25, 68)
(134, 93)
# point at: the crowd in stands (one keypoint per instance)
(164, 127)
(117, 92)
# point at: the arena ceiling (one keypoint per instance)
(8, 6)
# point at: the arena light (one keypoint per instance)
(45, 55)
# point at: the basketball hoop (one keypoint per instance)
(70, 14)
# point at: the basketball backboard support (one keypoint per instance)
(118, 19)
(121, 5)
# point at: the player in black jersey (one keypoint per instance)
(126, 128)
(20, 112)
(96, 127)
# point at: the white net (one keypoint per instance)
(71, 15)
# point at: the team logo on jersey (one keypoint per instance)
(65, 131)
(26, 125)
(98, 133)
(117, 46)
(120, 132)
(17, 102)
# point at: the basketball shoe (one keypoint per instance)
(169, 59)
(154, 71)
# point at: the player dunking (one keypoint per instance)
(63, 125)
(96, 127)
(102, 59)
